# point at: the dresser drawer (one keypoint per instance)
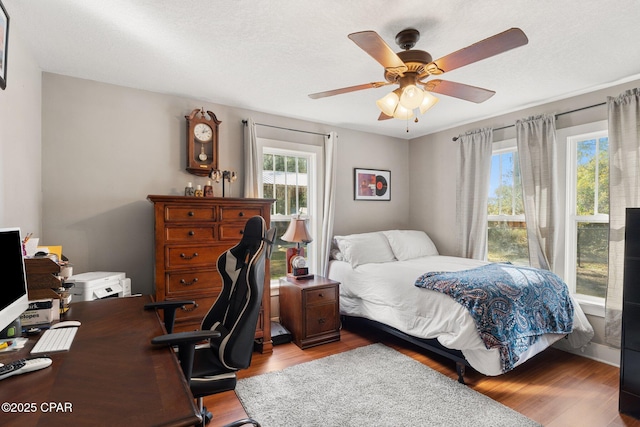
(320, 295)
(190, 282)
(189, 213)
(189, 234)
(232, 231)
(234, 213)
(194, 314)
(193, 255)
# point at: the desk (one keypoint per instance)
(112, 375)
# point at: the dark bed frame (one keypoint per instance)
(426, 344)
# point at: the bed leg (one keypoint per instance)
(460, 370)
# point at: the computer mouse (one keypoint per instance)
(65, 324)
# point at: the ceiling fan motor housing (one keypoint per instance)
(415, 60)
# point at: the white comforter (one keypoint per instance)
(385, 292)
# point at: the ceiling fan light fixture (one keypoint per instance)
(411, 97)
(402, 113)
(388, 103)
(428, 101)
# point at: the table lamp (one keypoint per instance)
(298, 233)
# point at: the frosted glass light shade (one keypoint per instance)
(411, 97)
(428, 101)
(387, 104)
(402, 113)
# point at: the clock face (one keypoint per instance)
(298, 262)
(203, 132)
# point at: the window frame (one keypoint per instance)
(502, 147)
(499, 148)
(571, 136)
(315, 173)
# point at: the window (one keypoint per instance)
(507, 232)
(588, 214)
(290, 176)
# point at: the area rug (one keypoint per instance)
(369, 386)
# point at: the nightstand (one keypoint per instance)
(310, 309)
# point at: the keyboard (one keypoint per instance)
(53, 340)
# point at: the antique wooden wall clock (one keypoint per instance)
(202, 142)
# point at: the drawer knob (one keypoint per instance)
(184, 282)
(241, 214)
(321, 321)
(192, 233)
(191, 213)
(321, 295)
(195, 305)
(182, 255)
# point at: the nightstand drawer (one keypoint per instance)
(189, 213)
(321, 319)
(189, 234)
(321, 295)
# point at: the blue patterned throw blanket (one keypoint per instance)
(512, 306)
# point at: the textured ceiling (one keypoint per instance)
(268, 56)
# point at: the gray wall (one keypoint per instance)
(432, 161)
(108, 147)
(20, 135)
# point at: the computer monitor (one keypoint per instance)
(13, 279)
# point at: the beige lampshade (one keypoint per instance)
(297, 232)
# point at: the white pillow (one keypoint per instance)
(409, 244)
(365, 248)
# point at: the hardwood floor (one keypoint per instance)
(556, 389)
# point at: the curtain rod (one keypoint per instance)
(455, 138)
(289, 129)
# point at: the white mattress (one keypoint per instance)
(385, 292)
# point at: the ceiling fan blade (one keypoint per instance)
(383, 116)
(347, 89)
(372, 43)
(502, 42)
(459, 90)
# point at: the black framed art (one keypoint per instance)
(4, 43)
(371, 184)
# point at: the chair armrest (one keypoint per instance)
(184, 337)
(169, 311)
(186, 342)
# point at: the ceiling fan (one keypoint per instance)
(410, 68)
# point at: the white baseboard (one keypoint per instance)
(601, 353)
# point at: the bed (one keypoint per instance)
(378, 272)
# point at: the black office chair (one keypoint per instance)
(229, 325)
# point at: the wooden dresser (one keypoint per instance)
(190, 235)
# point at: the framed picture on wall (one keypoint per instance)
(4, 42)
(371, 184)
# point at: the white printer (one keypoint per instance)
(99, 285)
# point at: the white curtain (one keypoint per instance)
(537, 151)
(252, 164)
(624, 191)
(328, 208)
(472, 195)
